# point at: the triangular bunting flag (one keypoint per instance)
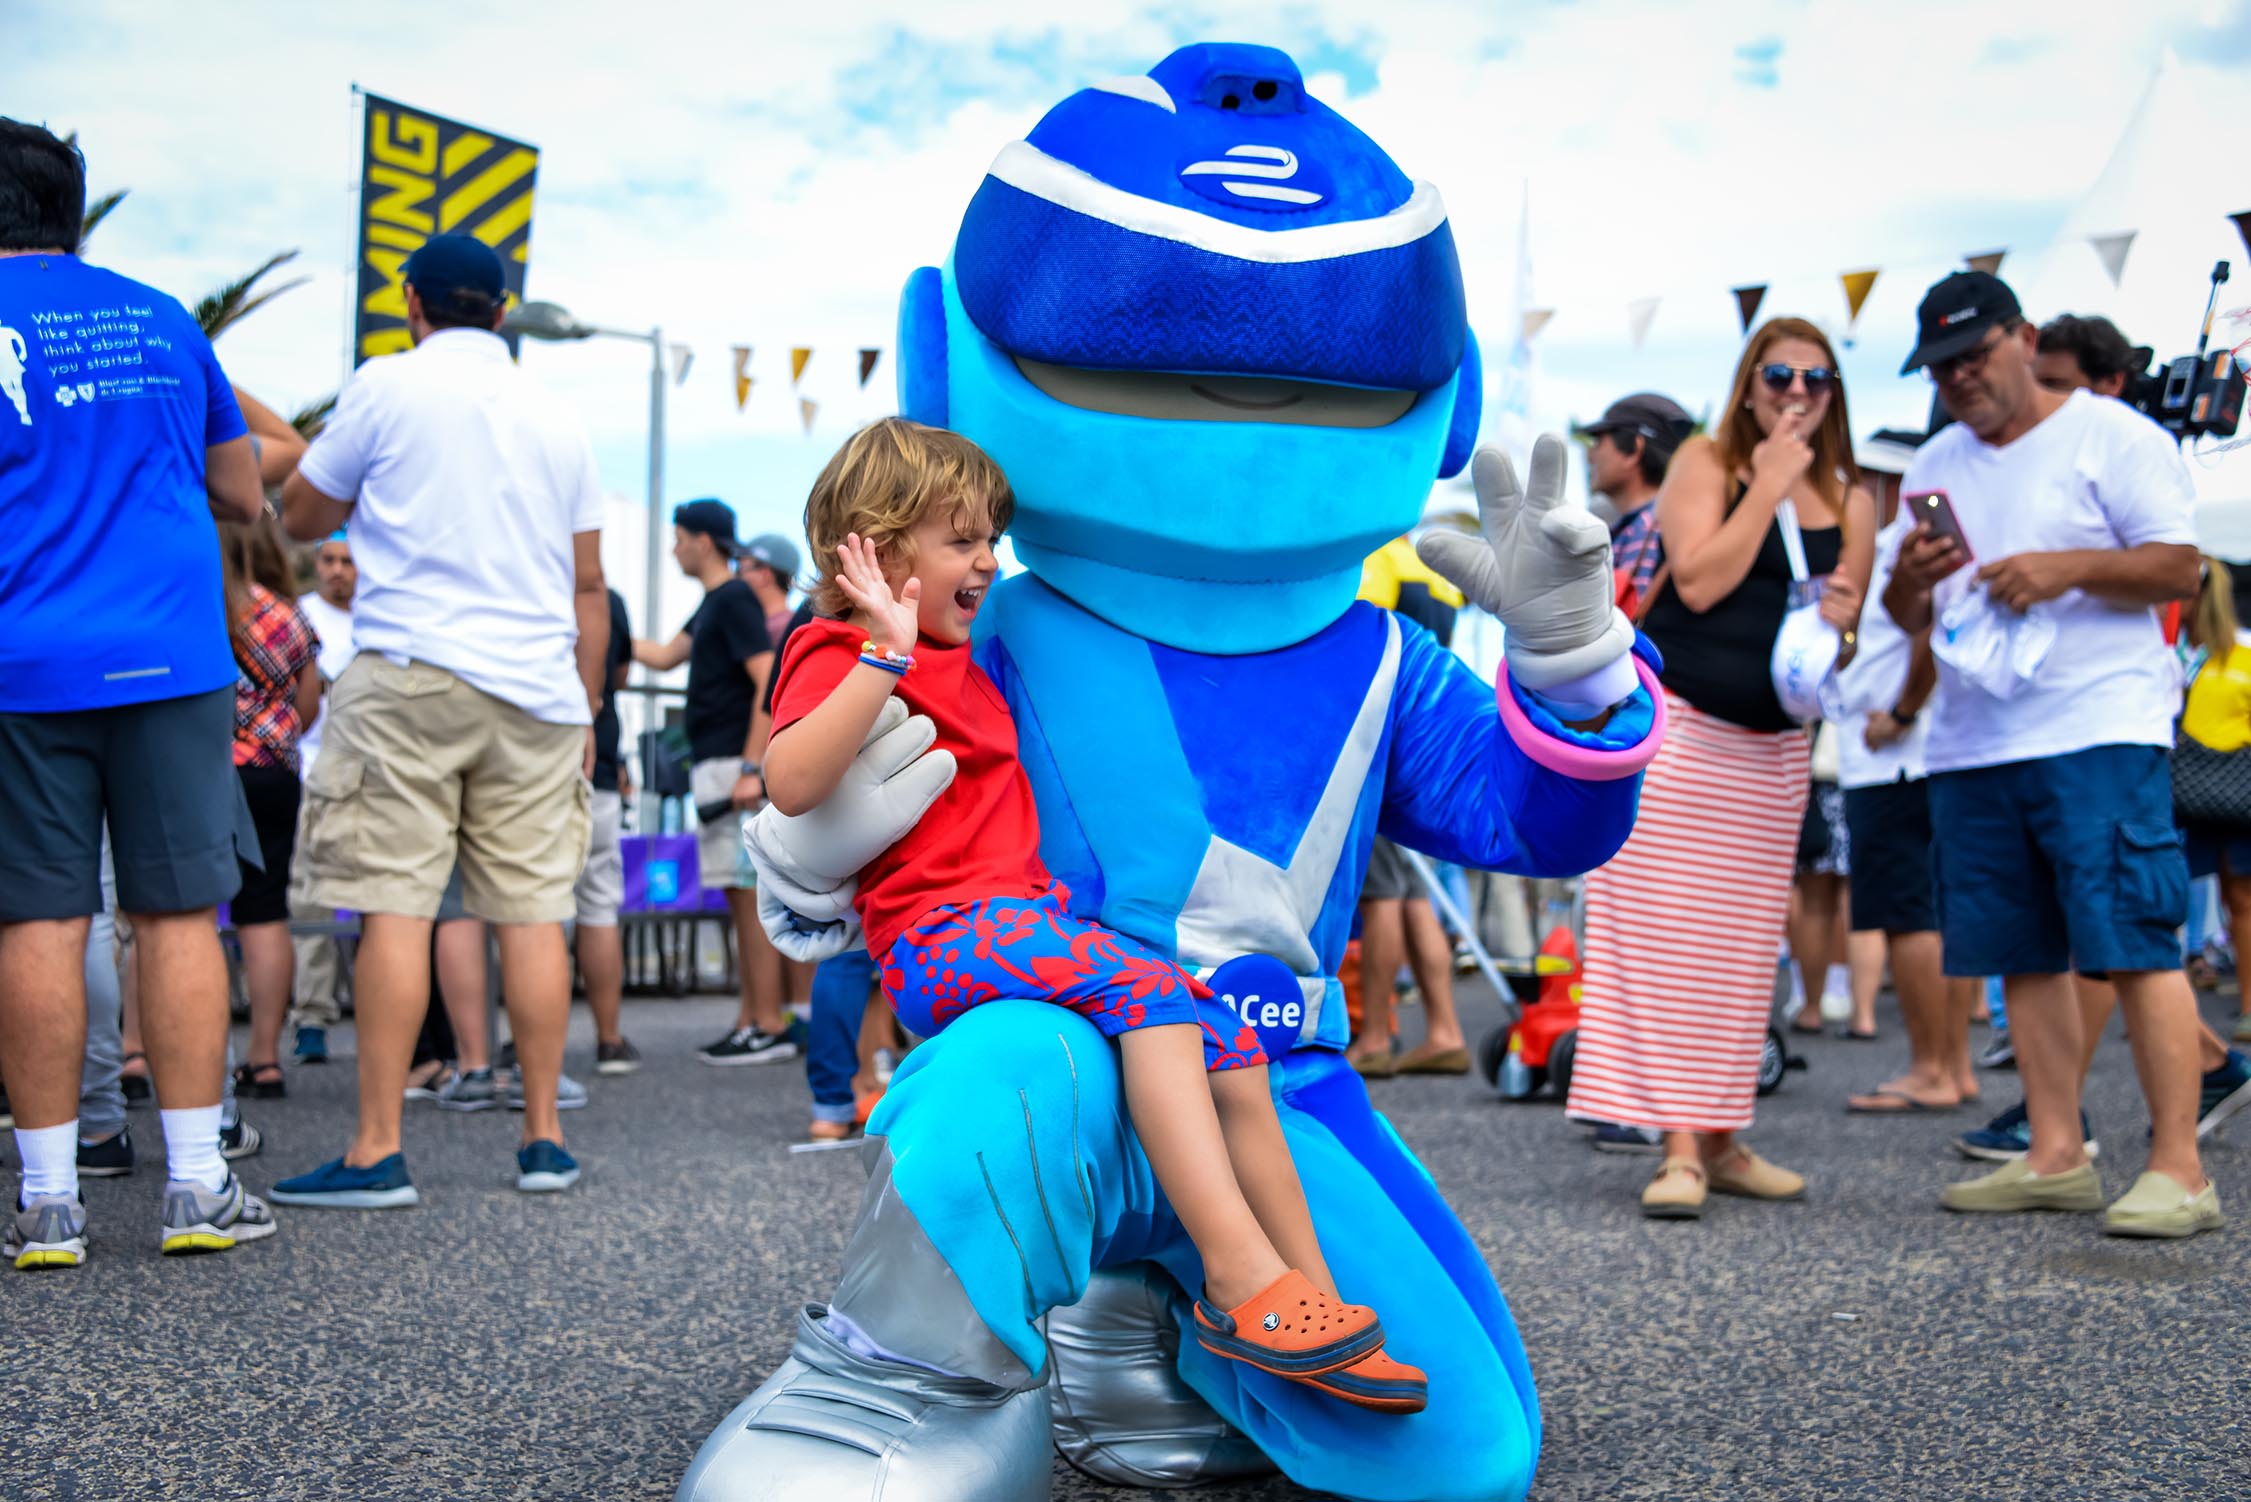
(742, 376)
(2112, 249)
(682, 358)
(806, 407)
(1536, 319)
(1747, 300)
(1640, 313)
(1858, 284)
(1989, 263)
(797, 359)
(868, 357)
(2242, 224)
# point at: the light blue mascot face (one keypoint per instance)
(1216, 339)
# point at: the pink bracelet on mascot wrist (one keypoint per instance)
(1587, 763)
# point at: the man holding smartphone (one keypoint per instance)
(2051, 792)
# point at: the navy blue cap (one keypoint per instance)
(1211, 215)
(713, 518)
(447, 264)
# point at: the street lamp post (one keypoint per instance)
(553, 321)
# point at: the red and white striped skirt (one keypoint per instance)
(1683, 927)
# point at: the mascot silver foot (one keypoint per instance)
(1217, 339)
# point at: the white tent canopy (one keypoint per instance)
(2172, 181)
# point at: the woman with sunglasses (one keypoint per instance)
(1683, 925)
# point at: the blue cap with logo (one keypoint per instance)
(1211, 215)
(444, 266)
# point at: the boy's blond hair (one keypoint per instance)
(884, 482)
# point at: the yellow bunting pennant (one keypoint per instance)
(2112, 249)
(797, 359)
(1989, 262)
(1640, 313)
(868, 357)
(1747, 300)
(806, 407)
(1858, 284)
(742, 376)
(1535, 319)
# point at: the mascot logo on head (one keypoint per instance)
(1216, 338)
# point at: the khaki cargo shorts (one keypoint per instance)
(418, 770)
(721, 855)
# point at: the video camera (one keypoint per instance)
(2196, 395)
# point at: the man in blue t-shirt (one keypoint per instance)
(120, 441)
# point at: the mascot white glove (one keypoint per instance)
(1543, 568)
(807, 863)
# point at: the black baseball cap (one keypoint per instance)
(1955, 315)
(444, 265)
(714, 519)
(1659, 419)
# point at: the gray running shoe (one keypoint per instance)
(48, 1232)
(197, 1219)
(468, 1090)
(570, 1095)
(620, 1057)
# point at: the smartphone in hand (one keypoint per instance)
(1935, 513)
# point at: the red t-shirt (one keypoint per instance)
(982, 837)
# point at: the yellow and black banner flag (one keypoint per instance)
(422, 175)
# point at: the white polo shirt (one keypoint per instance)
(470, 480)
(333, 625)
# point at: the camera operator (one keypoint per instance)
(2087, 353)
(2050, 788)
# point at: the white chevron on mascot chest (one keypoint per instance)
(1217, 340)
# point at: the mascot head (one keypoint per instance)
(1216, 338)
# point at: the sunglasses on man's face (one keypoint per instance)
(1818, 378)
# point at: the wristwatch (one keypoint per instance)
(1904, 716)
(752, 769)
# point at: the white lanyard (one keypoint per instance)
(1793, 541)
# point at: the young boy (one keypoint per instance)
(903, 523)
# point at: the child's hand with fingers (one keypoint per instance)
(893, 620)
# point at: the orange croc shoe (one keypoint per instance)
(1292, 1329)
(1375, 1381)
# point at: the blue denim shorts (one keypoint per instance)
(2069, 863)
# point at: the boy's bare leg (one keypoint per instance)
(1265, 1171)
(1178, 1124)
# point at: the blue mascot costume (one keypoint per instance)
(1218, 342)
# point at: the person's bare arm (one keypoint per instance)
(2155, 573)
(280, 446)
(1888, 725)
(230, 478)
(309, 689)
(663, 656)
(750, 787)
(590, 602)
(306, 514)
(1711, 549)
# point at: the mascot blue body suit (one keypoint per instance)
(1217, 341)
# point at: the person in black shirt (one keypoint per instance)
(729, 658)
(601, 886)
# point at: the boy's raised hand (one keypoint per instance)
(893, 620)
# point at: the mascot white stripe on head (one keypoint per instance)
(1218, 342)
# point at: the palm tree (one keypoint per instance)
(99, 209)
(313, 416)
(238, 299)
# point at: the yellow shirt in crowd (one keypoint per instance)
(2219, 702)
(1397, 563)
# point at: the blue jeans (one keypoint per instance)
(832, 1047)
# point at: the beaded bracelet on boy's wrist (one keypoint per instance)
(886, 658)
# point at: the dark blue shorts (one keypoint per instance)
(2211, 854)
(2071, 863)
(1033, 949)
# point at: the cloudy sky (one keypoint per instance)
(753, 174)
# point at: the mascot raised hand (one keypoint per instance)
(1217, 340)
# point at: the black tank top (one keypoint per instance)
(1719, 660)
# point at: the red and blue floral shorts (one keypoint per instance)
(1032, 949)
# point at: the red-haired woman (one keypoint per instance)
(1683, 925)
(276, 697)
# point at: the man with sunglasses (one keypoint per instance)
(2050, 791)
(1627, 452)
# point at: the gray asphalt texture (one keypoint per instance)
(1862, 1343)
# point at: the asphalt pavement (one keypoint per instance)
(1862, 1343)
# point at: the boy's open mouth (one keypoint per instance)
(967, 600)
